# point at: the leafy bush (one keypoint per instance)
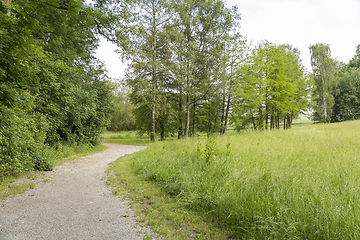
(22, 137)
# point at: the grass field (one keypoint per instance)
(301, 183)
(302, 120)
(133, 138)
(126, 137)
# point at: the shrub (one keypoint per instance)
(22, 137)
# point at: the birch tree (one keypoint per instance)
(324, 71)
(200, 27)
(147, 66)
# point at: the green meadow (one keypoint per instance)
(301, 183)
(125, 137)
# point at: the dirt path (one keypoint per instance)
(73, 204)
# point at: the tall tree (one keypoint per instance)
(233, 56)
(324, 74)
(273, 85)
(199, 29)
(147, 69)
(347, 94)
(347, 97)
(355, 61)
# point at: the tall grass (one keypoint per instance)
(296, 184)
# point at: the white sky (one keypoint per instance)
(296, 22)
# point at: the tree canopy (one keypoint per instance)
(52, 88)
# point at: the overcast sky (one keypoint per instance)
(296, 22)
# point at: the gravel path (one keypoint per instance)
(74, 203)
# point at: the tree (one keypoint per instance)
(347, 97)
(233, 56)
(19, 54)
(147, 57)
(122, 118)
(273, 86)
(52, 89)
(324, 74)
(347, 94)
(199, 29)
(355, 61)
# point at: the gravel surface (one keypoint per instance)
(72, 203)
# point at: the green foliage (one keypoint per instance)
(324, 73)
(18, 54)
(52, 89)
(355, 62)
(296, 184)
(273, 86)
(122, 118)
(78, 108)
(22, 137)
(347, 97)
(126, 137)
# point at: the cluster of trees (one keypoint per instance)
(274, 88)
(347, 96)
(337, 92)
(52, 89)
(122, 118)
(191, 70)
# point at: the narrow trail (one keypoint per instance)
(74, 203)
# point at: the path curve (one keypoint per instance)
(73, 204)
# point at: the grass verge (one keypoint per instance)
(156, 209)
(12, 185)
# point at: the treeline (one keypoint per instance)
(337, 92)
(52, 89)
(191, 70)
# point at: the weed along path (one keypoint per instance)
(72, 202)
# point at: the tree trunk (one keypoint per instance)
(266, 113)
(193, 122)
(284, 122)
(154, 72)
(288, 125)
(152, 127)
(324, 99)
(180, 117)
(187, 123)
(227, 113)
(162, 134)
(222, 113)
